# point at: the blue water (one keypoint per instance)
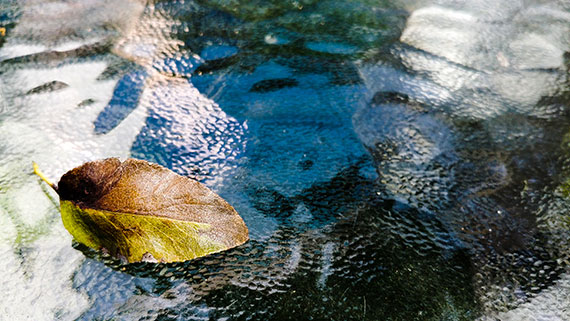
(393, 160)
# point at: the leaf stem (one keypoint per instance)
(43, 177)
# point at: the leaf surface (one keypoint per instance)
(139, 210)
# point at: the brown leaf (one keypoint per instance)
(108, 204)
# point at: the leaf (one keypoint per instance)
(140, 211)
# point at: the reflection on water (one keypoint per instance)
(398, 160)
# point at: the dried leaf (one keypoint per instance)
(139, 210)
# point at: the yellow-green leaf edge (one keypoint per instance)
(134, 235)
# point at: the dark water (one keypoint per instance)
(393, 160)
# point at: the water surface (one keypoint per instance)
(393, 160)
